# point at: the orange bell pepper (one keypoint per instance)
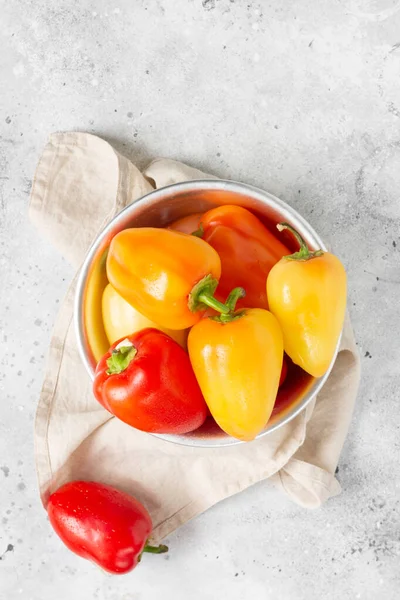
(247, 249)
(307, 294)
(237, 359)
(169, 277)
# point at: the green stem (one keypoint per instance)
(233, 297)
(231, 300)
(203, 294)
(199, 232)
(155, 549)
(213, 303)
(304, 253)
(121, 357)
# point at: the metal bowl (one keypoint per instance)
(158, 209)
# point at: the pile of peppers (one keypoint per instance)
(199, 316)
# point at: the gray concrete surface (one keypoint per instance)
(300, 98)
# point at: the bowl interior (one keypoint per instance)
(159, 209)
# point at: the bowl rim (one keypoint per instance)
(189, 186)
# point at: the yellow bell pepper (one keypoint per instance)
(93, 319)
(307, 294)
(120, 319)
(237, 359)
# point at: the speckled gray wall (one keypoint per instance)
(300, 98)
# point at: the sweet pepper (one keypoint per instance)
(307, 294)
(169, 277)
(237, 358)
(247, 249)
(147, 381)
(102, 524)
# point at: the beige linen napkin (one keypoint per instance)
(80, 183)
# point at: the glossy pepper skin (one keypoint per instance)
(147, 381)
(101, 524)
(238, 365)
(307, 294)
(121, 319)
(163, 274)
(247, 249)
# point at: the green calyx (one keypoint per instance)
(202, 295)
(120, 358)
(303, 253)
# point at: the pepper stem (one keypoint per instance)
(233, 297)
(199, 232)
(203, 294)
(213, 303)
(231, 300)
(155, 549)
(304, 252)
(121, 357)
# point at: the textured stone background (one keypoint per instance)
(300, 98)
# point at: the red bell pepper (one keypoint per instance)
(147, 381)
(247, 249)
(283, 372)
(102, 524)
